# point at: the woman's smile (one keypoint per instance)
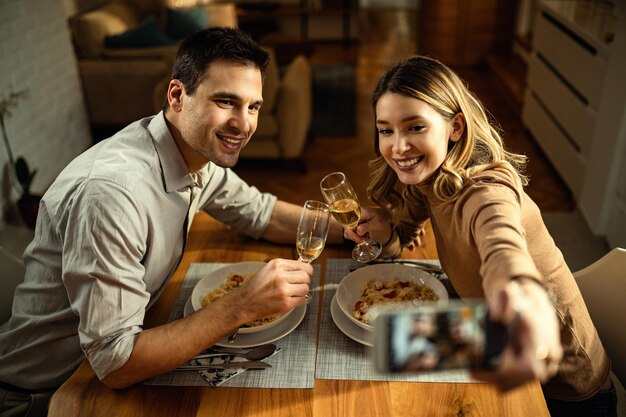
(408, 164)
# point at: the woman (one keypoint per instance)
(440, 158)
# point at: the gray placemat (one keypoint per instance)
(340, 357)
(292, 367)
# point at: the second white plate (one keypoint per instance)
(247, 340)
(351, 286)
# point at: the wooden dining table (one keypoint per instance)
(210, 241)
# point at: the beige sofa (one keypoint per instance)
(119, 84)
(123, 85)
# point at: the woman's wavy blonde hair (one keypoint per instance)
(480, 147)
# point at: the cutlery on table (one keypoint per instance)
(226, 365)
(254, 354)
(415, 263)
(232, 336)
(230, 350)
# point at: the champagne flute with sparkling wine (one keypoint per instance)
(345, 207)
(312, 232)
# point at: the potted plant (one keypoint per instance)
(28, 203)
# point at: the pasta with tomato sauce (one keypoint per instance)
(234, 281)
(377, 292)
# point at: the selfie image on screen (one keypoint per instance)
(436, 340)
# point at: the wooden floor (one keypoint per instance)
(374, 53)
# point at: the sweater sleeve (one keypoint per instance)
(492, 210)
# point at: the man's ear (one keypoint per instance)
(175, 91)
(458, 127)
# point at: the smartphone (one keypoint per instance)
(454, 335)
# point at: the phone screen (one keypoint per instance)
(430, 338)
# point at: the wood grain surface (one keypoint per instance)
(84, 395)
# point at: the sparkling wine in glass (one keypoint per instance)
(312, 232)
(345, 207)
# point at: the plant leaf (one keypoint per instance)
(24, 176)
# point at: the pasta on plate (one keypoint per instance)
(377, 293)
(233, 281)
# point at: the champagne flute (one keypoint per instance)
(345, 207)
(312, 232)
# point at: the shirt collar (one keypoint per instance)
(176, 175)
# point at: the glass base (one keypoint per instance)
(367, 251)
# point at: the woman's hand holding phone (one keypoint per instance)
(534, 350)
(511, 342)
(435, 337)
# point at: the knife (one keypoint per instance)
(418, 264)
(226, 365)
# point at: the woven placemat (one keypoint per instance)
(340, 357)
(292, 367)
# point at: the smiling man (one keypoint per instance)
(213, 114)
(112, 229)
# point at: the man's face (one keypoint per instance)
(218, 119)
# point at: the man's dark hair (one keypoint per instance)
(200, 49)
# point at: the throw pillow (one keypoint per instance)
(146, 35)
(183, 22)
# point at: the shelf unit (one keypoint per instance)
(574, 90)
(566, 75)
(345, 11)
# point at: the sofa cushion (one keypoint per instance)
(271, 84)
(89, 29)
(222, 14)
(146, 35)
(296, 107)
(183, 22)
(157, 52)
(267, 126)
(118, 92)
(261, 148)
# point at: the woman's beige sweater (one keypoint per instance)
(493, 232)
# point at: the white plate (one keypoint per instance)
(351, 330)
(247, 340)
(218, 277)
(351, 286)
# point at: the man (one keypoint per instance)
(112, 229)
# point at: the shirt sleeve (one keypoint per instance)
(232, 201)
(493, 212)
(103, 273)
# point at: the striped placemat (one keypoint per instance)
(340, 357)
(292, 367)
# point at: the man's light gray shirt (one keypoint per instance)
(111, 232)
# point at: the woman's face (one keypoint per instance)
(413, 137)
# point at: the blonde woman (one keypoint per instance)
(441, 158)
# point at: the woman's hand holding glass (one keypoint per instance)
(345, 207)
(312, 232)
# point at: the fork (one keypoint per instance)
(232, 336)
(418, 264)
